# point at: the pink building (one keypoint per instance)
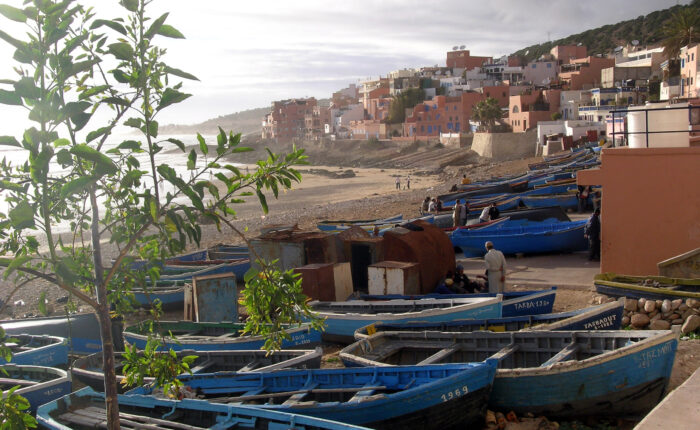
(689, 72)
(563, 54)
(584, 73)
(463, 60)
(526, 110)
(442, 114)
(378, 104)
(287, 119)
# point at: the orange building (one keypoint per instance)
(689, 72)
(287, 119)
(526, 110)
(584, 73)
(563, 54)
(499, 92)
(651, 206)
(463, 60)
(378, 104)
(442, 114)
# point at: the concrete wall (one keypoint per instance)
(505, 146)
(651, 206)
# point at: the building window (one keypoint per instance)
(549, 65)
(437, 116)
(534, 66)
(422, 128)
(488, 94)
(455, 108)
(515, 109)
(692, 57)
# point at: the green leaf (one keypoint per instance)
(64, 158)
(170, 31)
(152, 128)
(11, 40)
(11, 186)
(111, 24)
(180, 73)
(154, 210)
(192, 160)
(116, 101)
(83, 66)
(133, 122)
(80, 120)
(77, 185)
(10, 98)
(130, 5)
(61, 142)
(15, 264)
(102, 162)
(153, 29)
(120, 76)
(75, 108)
(121, 50)
(177, 142)
(97, 133)
(171, 96)
(92, 91)
(13, 13)
(67, 270)
(9, 141)
(202, 144)
(22, 216)
(131, 145)
(263, 200)
(25, 88)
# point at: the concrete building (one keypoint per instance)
(670, 89)
(540, 72)
(651, 58)
(526, 110)
(501, 93)
(397, 85)
(583, 73)
(502, 72)
(341, 118)
(689, 72)
(371, 84)
(464, 60)
(636, 235)
(441, 115)
(619, 96)
(569, 102)
(595, 113)
(564, 54)
(378, 104)
(346, 96)
(287, 119)
(620, 76)
(315, 122)
(574, 128)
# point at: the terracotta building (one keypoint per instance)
(442, 114)
(526, 110)
(287, 119)
(499, 92)
(315, 122)
(462, 59)
(636, 234)
(563, 54)
(584, 73)
(378, 104)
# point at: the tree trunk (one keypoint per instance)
(111, 393)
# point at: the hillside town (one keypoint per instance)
(556, 98)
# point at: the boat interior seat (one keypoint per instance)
(440, 355)
(563, 355)
(294, 399)
(200, 367)
(505, 352)
(250, 366)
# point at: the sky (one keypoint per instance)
(248, 54)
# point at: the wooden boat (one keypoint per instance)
(187, 272)
(603, 317)
(403, 397)
(552, 214)
(481, 225)
(565, 201)
(215, 336)
(81, 330)
(530, 239)
(515, 303)
(38, 384)
(36, 350)
(343, 318)
(85, 409)
(330, 225)
(383, 226)
(88, 370)
(648, 287)
(558, 374)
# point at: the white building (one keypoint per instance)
(540, 72)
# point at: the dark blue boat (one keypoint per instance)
(558, 374)
(402, 397)
(35, 350)
(38, 384)
(85, 409)
(529, 239)
(515, 303)
(602, 317)
(565, 201)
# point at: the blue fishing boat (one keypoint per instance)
(565, 201)
(558, 374)
(38, 384)
(402, 397)
(515, 303)
(529, 239)
(215, 336)
(329, 225)
(81, 330)
(186, 273)
(36, 350)
(383, 226)
(85, 409)
(602, 317)
(648, 287)
(343, 318)
(88, 370)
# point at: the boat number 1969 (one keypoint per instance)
(456, 393)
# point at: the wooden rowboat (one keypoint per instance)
(559, 374)
(38, 384)
(648, 287)
(36, 350)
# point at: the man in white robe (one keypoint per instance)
(496, 267)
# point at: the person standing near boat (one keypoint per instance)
(431, 206)
(494, 213)
(495, 268)
(463, 214)
(484, 214)
(424, 206)
(457, 214)
(592, 233)
(398, 183)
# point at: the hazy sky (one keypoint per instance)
(248, 54)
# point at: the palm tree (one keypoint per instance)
(487, 112)
(680, 31)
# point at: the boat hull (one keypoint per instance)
(50, 351)
(628, 286)
(53, 383)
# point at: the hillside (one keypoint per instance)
(602, 40)
(245, 122)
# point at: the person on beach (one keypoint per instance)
(464, 213)
(465, 180)
(398, 183)
(438, 204)
(494, 213)
(495, 268)
(431, 206)
(408, 182)
(484, 214)
(582, 197)
(457, 214)
(592, 232)
(424, 206)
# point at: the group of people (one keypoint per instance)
(408, 182)
(494, 280)
(489, 213)
(459, 213)
(431, 205)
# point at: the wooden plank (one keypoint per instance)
(13, 381)
(563, 355)
(296, 398)
(439, 356)
(202, 366)
(136, 420)
(289, 393)
(250, 366)
(505, 352)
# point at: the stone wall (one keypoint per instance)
(505, 146)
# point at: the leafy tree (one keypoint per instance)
(487, 112)
(556, 116)
(13, 407)
(72, 65)
(680, 30)
(407, 99)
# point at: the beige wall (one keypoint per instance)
(651, 206)
(505, 146)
